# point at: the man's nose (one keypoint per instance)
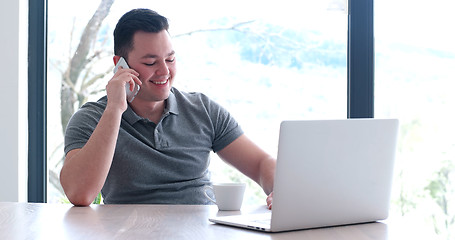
(163, 69)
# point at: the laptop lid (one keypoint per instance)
(328, 173)
(333, 172)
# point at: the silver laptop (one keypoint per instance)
(329, 173)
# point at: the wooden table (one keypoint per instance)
(63, 221)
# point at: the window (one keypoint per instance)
(263, 62)
(415, 59)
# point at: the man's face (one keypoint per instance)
(153, 58)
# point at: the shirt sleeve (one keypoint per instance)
(226, 127)
(81, 126)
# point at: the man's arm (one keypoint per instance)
(85, 170)
(252, 161)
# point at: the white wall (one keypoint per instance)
(13, 100)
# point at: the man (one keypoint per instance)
(156, 148)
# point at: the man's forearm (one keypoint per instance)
(267, 176)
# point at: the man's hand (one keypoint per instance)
(269, 201)
(116, 94)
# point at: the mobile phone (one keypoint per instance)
(130, 95)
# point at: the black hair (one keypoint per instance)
(140, 19)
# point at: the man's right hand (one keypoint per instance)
(115, 88)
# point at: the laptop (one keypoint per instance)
(328, 173)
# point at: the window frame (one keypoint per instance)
(360, 62)
(360, 82)
(37, 103)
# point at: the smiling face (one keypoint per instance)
(153, 57)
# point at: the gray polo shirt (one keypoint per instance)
(164, 163)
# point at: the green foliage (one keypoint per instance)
(98, 199)
(406, 201)
(442, 191)
(407, 198)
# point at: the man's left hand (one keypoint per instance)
(269, 201)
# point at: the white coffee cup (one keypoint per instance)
(228, 196)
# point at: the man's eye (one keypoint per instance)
(170, 60)
(149, 64)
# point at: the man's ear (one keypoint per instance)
(116, 59)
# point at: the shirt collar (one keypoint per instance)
(171, 108)
(171, 104)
